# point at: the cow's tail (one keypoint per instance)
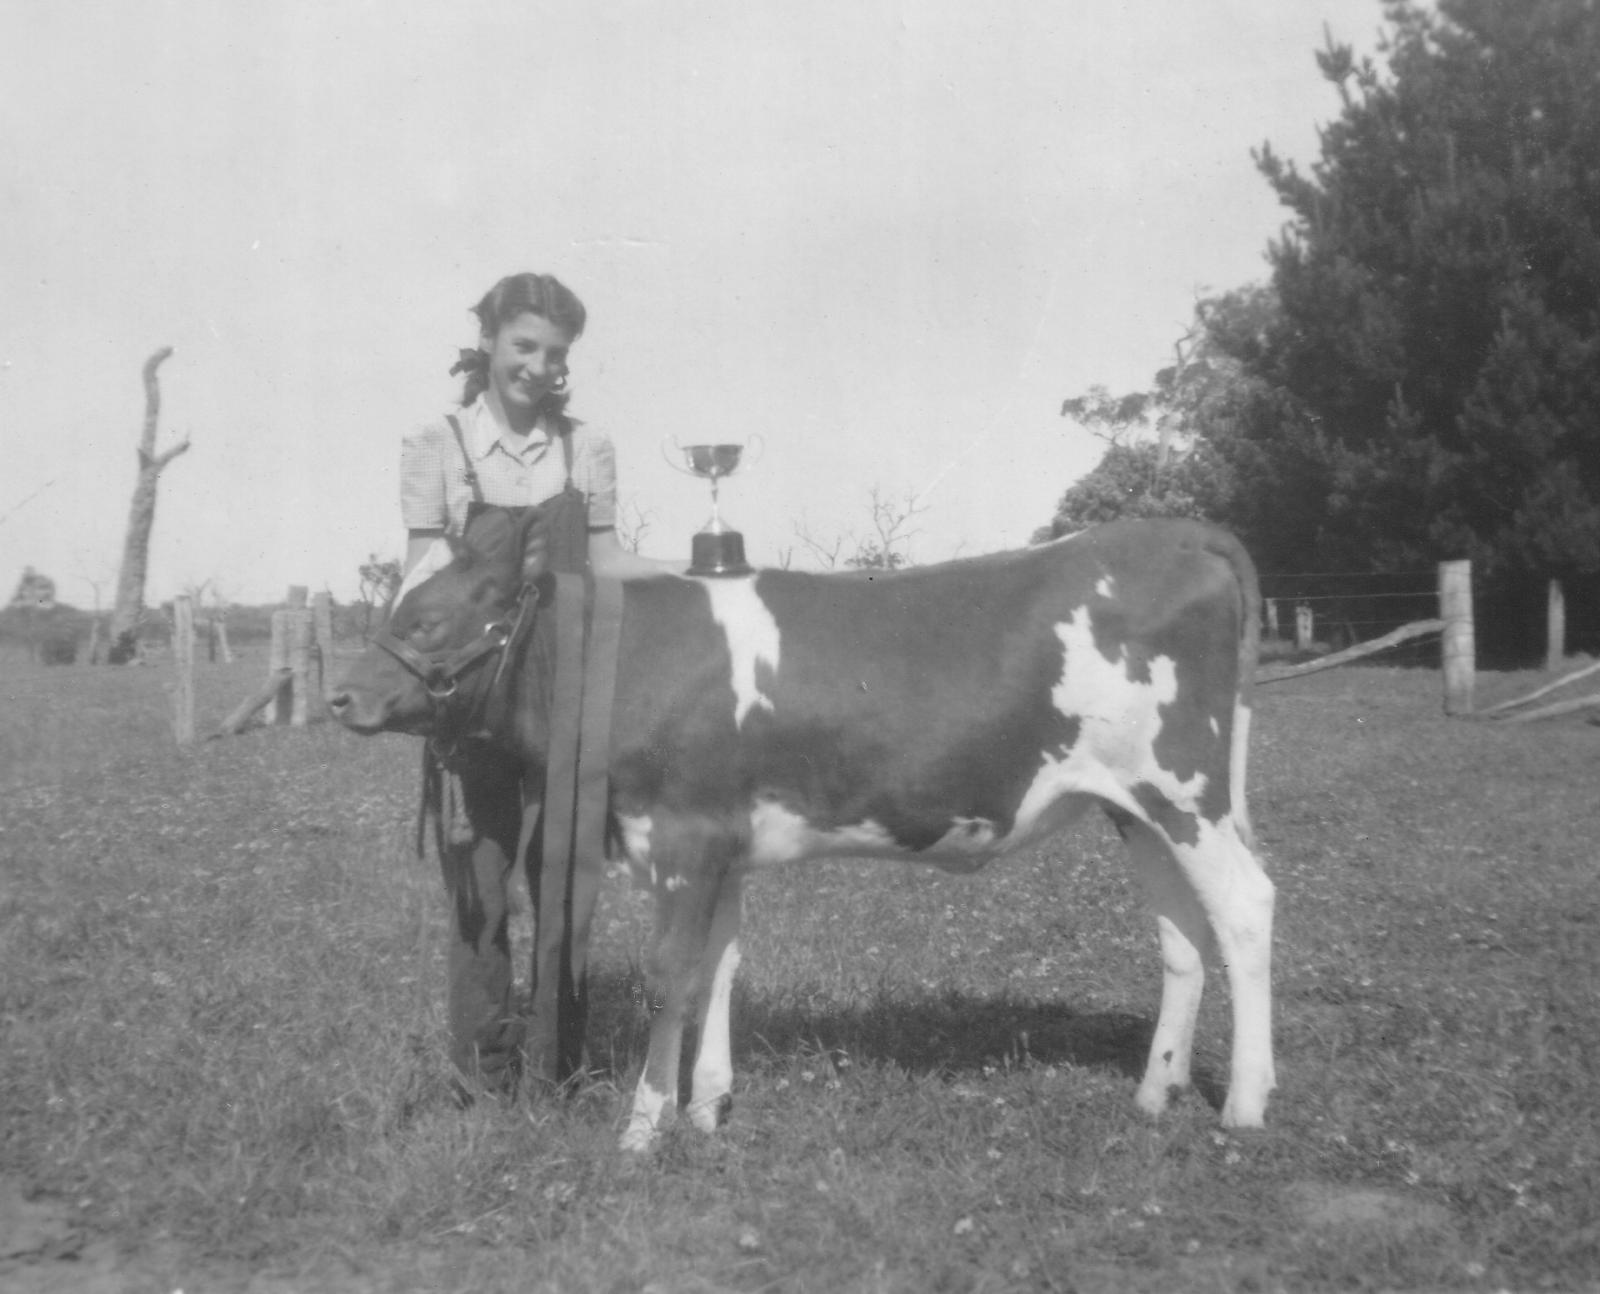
(1249, 587)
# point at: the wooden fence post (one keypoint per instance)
(322, 639)
(1304, 627)
(279, 669)
(299, 639)
(183, 658)
(1555, 619)
(1458, 648)
(299, 664)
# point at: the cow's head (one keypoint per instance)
(430, 669)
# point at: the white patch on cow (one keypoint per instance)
(1119, 718)
(1238, 758)
(434, 559)
(752, 639)
(635, 829)
(780, 835)
(1106, 587)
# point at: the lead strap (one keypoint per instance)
(550, 993)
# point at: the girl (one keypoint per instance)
(511, 443)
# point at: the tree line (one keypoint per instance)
(1419, 379)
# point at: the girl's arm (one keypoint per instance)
(608, 557)
(417, 543)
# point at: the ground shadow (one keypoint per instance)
(950, 1034)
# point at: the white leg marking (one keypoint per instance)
(1186, 944)
(1238, 898)
(752, 639)
(713, 1062)
(635, 830)
(648, 1104)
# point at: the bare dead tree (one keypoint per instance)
(129, 607)
(826, 553)
(633, 523)
(891, 521)
(885, 548)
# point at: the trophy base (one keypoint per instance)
(718, 552)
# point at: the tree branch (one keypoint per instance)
(152, 401)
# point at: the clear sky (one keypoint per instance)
(889, 238)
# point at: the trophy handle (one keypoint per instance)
(672, 451)
(755, 449)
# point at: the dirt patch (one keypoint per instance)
(1325, 1206)
(44, 1251)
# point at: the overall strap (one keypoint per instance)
(466, 459)
(564, 432)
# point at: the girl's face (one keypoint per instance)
(527, 361)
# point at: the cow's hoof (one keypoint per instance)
(1243, 1113)
(710, 1115)
(1155, 1099)
(638, 1139)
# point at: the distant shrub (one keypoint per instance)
(58, 649)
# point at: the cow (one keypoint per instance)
(947, 713)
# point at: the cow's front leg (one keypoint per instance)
(711, 1095)
(685, 904)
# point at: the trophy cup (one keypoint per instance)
(716, 550)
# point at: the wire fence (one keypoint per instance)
(1334, 610)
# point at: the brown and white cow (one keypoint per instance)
(949, 713)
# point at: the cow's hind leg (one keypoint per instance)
(1240, 902)
(1238, 898)
(710, 1095)
(1186, 946)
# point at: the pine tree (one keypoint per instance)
(1440, 291)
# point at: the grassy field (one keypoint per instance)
(222, 1060)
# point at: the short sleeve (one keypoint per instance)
(600, 481)
(422, 479)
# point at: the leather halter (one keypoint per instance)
(440, 672)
